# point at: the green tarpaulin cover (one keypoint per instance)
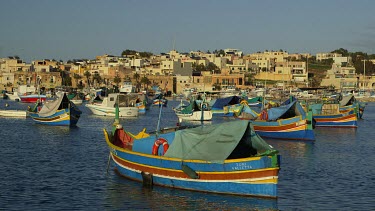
(215, 143)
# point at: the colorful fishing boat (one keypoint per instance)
(349, 102)
(225, 106)
(143, 103)
(228, 158)
(61, 112)
(329, 115)
(159, 100)
(288, 121)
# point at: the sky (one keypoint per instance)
(83, 29)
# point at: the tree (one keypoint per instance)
(211, 67)
(87, 74)
(199, 67)
(128, 52)
(145, 81)
(97, 78)
(76, 78)
(136, 76)
(219, 52)
(341, 51)
(145, 54)
(360, 66)
(117, 80)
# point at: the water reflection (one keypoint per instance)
(292, 148)
(122, 192)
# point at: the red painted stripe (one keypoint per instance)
(277, 128)
(202, 175)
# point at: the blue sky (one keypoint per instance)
(74, 29)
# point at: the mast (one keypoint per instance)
(364, 74)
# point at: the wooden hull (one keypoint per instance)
(64, 117)
(158, 102)
(339, 120)
(295, 129)
(255, 176)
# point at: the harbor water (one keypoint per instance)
(61, 168)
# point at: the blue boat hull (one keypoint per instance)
(64, 117)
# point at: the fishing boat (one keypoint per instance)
(195, 111)
(60, 112)
(127, 104)
(76, 98)
(159, 100)
(227, 158)
(13, 113)
(225, 106)
(143, 103)
(329, 115)
(349, 102)
(13, 96)
(32, 98)
(289, 121)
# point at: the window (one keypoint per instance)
(180, 82)
(197, 80)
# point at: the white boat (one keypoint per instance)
(13, 96)
(127, 87)
(13, 113)
(196, 116)
(195, 111)
(127, 105)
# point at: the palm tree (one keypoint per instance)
(145, 81)
(87, 74)
(136, 76)
(117, 80)
(97, 78)
(76, 78)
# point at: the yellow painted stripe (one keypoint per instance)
(201, 172)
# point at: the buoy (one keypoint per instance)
(6, 105)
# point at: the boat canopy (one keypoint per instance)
(49, 108)
(216, 143)
(286, 111)
(347, 100)
(221, 102)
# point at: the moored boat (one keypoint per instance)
(159, 100)
(195, 112)
(32, 98)
(13, 96)
(60, 112)
(13, 113)
(228, 158)
(288, 121)
(329, 115)
(225, 106)
(127, 105)
(350, 102)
